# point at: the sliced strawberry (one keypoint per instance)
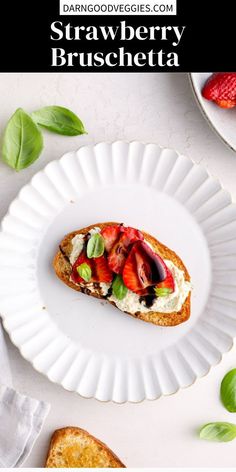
(143, 268)
(81, 260)
(166, 287)
(130, 276)
(144, 292)
(110, 235)
(226, 103)
(120, 250)
(99, 267)
(118, 255)
(221, 88)
(132, 234)
(103, 272)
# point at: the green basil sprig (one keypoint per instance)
(60, 120)
(22, 141)
(162, 292)
(119, 290)
(223, 431)
(228, 391)
(95, 246)
(84, 271)
(219, 431)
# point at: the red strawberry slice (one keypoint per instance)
(118, 255)
(221, 88)
(81, 260)
(130, 277)
(120, 250)
(143, 268)
(226, 103)
(132, 234)
(103, 272)
(144, 292)
(99, 267)
(110, 235)
(166, 287)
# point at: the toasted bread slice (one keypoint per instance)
(62, 268)
(74, 447)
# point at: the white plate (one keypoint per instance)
(222, 121)
(87, 345)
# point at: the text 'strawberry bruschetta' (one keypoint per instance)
(129, 268)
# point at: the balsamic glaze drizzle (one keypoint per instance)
(148, 299)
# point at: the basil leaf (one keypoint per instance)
(59, 120)
(162, 292)
(95, 246)
(228, 391)
(119, 290)
(22, 141)
(84, 271)
(222, 432)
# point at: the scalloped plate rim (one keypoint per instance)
(91, 146)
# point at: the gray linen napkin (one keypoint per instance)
(21, 417)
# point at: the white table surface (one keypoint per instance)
(155, 108)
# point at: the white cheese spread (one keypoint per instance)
(78, 244)
(168, 304)
(77, 247)
(94, 230)
(104, 288)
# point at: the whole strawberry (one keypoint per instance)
(221, 88)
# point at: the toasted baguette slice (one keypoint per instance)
(62, 268)
(74, 447)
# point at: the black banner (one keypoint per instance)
(36, 38)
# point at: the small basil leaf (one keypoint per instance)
(95, 246)
(222, 432)
(162, 292)
(228, 391)
(84, 271)
(119, 290)
(22, 141)
(59, 120)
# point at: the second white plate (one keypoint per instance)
(223, 121)
(86, 345)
